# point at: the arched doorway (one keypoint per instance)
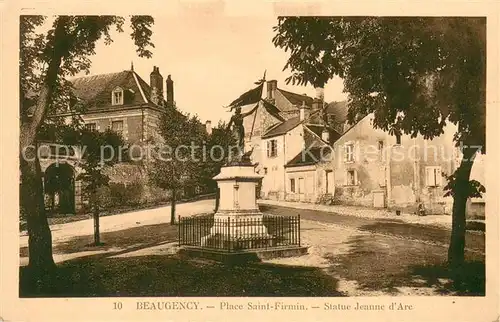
(59, 188)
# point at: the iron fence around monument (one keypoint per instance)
(236, 234)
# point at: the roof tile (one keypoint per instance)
(282, 128)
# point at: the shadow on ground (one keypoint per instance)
(381, 263)
(377, 262)
(173, 276)
(103, 275)
(141, 237)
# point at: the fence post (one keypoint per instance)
(229, 234)
(298, 217)
(179, 230)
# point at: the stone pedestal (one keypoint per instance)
(238, 222)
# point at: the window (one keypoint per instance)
(292, 185)
(117, 126)
(351, 178)
(381, 149)
(349, 152)
(433, 176)
(272, 148)
(91, 126)
(117, 96)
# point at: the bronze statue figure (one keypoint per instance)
(238, 130)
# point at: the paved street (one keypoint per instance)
(394, 226)
(349, 254)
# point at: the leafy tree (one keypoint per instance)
(414, 75)
(100, 150)
(176, 158)
(46, 60)
(218, 146)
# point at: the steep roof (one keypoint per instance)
(318, 130)
(282, 128)
(273, 110)
(339, 109)
(295, 98)
(96, 90)
(309, 157)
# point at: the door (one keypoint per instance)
(302, 189)
(330, 187)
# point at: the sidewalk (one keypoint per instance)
(434, 220)
(63, 232)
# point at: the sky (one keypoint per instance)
(212, 58)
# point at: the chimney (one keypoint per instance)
(170, 91)
(303, 112)
(316, 104)
(325, 135)
(208, 127)
(319, 99)
(156, 83)
(320, 93)
(272, 85)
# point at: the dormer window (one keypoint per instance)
(117, 96)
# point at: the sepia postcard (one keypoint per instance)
(207, 160)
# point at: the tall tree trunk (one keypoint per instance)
(31, 194)
(97, 236)
(456, 250)
(41, 262)
(172, 206)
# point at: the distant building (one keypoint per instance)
(279, 129)
(307, 151)
(122, 102)
(376, 169)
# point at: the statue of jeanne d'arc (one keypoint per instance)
(238, 131)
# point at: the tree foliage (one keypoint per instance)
(186, 156)
(64, 51)
(474, 188)
(414, 74)
(48, 56)
(173, 163)
(220, 142)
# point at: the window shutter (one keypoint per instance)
(355, 177)
(267, 142)
(438, 176)
(345, 153)
(429, 176)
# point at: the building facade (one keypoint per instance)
(122, 102)
(277, 130)
(307, 151)
(376, 169)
